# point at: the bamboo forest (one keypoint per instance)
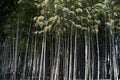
(59, 39)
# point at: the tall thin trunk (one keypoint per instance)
(54, 62)
(98, 57)
(75, 57)
(13, 52)
(86, 56)
(57, 62)
(11, 55)
(44, 56)
(117, 65)
(26, 52)
(34, 60)
(106, 54)
(70, 63)
(110, 55)
(66, 59)
(31, 56)
(89, 53)
(51, 58)
(16, 51)
(115, 69)
(41, 60)
(92, 55)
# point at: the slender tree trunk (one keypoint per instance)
(92, 55)
(86, 56)
(13, 50)
(70, 63)
(89, 53)
(41, 60)
(31, 56)
(34, 60)
(75, 57)
(98, 57)
(16, 52)
(110, 57)
(57, 62)
(54, 62)
(115, 69)
(106, 54)
(44, 60)
(66, 59)
(51, 58)
(26, 53)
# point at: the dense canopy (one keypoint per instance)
(59, 39)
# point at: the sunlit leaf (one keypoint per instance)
(38, 32)
(78, 10)
(48, 28)
(97, 21)
(78, 26)
(53, 19)
(40, 18)
(79, 4)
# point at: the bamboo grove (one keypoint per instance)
(61, 40)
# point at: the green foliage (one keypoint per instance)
(60, 15)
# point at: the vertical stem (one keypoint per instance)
(86, 56)
(89, 52)
(54, 64)
(44, 56)
(110, 72)
(16, 52)
(115, 69)
(66, 59)
(51, 56)
(105, 54)
(26, 52)
(52, 61)
(58, 62)
(75, 57)
(13, 50)
(41, 59)
(34, 60)
(70, 64)
(98, 62)
(92, 63)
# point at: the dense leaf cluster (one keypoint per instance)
(60, 15)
